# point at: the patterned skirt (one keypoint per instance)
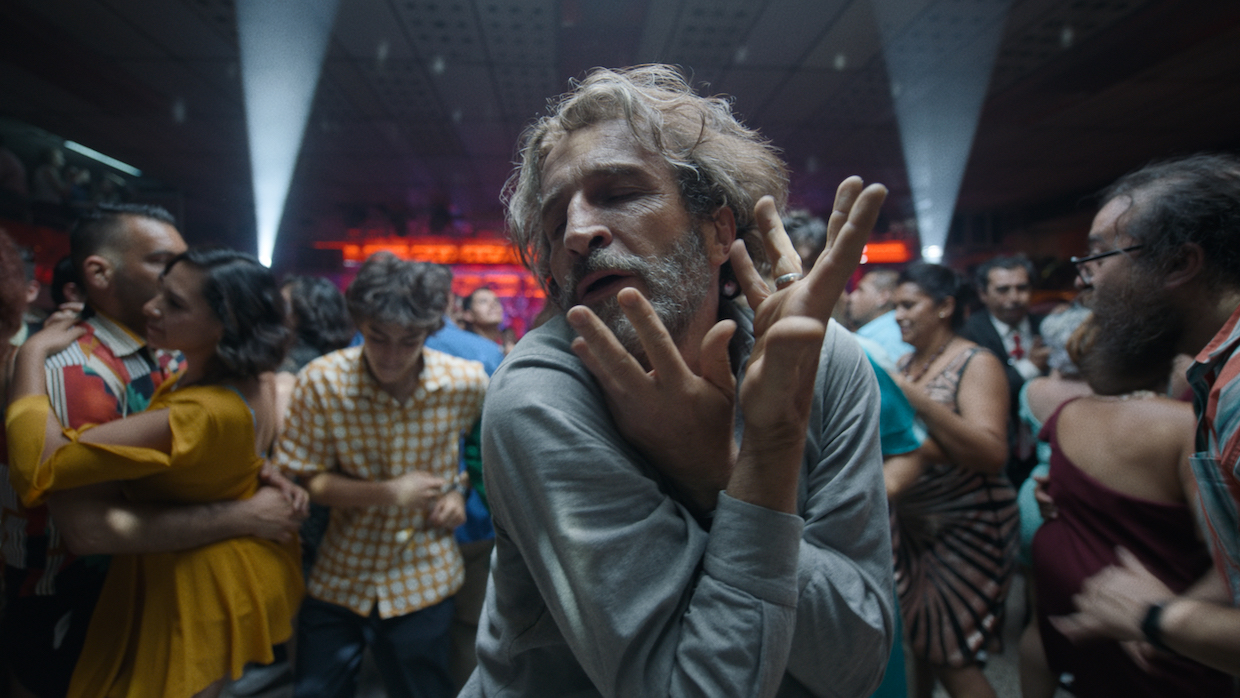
(955, 537)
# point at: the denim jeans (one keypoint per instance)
(410, 651)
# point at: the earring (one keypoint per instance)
(942, 315)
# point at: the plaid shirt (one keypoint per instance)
(107, 374)
(340, 420)
(1216, 465)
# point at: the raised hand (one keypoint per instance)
(776, 400)
(852, 218)
(681, 421)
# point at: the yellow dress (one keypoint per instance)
(167, 625)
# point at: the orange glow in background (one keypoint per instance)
(475, 264)
(892, 252)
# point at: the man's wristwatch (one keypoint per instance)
(1151, 627)
(461, 489)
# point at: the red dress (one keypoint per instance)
(1093, 519)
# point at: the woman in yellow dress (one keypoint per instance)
(175, 625)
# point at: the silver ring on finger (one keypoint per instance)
(785, 280)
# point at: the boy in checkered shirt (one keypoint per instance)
(375, 431)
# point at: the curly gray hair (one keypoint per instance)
(717, 160)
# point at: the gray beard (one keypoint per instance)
(1136, 337)
(677, 283)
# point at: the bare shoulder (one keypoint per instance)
(983, 385)
(1152, 409)
(1046, 393)
(983, 363)
(1161, 412)
(1140, 423)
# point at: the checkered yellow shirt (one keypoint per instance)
(340, 420)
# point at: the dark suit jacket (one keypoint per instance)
(980, 329)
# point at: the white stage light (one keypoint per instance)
(939, 59)
(282, 47)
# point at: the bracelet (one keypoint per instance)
(461, 489)
(1151, 627)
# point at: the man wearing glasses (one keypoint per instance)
(1163, 277)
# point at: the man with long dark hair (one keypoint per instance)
(1163, 277)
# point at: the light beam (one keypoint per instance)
(939, 59)
(282, 47)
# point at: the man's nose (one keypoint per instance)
(584, 228)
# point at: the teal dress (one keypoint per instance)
(1030, 515)
(899, 432)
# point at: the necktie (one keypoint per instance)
(1017, 352)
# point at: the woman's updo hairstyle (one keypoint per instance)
(244, 295)
(938, 282)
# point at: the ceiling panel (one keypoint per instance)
(180, 30)
(368, 30)
(518, 32)
(851, 42)
(785, 32)
(426, 98)
(97, 27)
(440, 31)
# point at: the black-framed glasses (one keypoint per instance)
(1078, 261)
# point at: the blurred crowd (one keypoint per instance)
(51, 192)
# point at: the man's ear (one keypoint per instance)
(720, 233)
(1188, 265)
(97, 273)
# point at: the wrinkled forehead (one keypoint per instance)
(606, 147)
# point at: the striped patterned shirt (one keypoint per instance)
(1215, 378)
(107, 374)
(340, 420)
